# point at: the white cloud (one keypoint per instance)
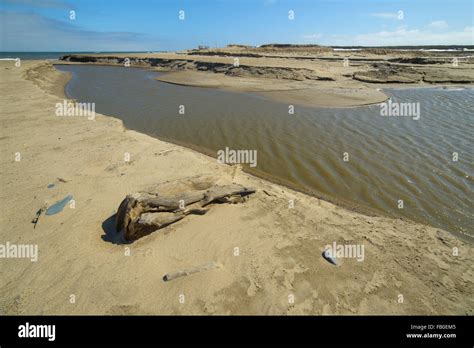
(388, 15)
(33, 32)
(312, 36)
(404, 36)
(438, 25)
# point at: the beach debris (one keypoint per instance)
(37, 216)
(51, 184)
(328, 257)
(205, 267)
(269, 193)
(58, 206)
(142, 213)
(164, 152)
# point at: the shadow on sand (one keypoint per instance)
(110, 235)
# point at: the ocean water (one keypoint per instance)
(31, 55)
(355, 156)
(42, 55)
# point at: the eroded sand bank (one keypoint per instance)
(269, 254)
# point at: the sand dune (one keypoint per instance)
(269, 254)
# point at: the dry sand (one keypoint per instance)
(279, 249)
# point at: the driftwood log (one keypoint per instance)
(142, 213)
(186, 272)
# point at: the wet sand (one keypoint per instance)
(331, 94)
(279, 248)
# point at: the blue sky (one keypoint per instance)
(153, 25)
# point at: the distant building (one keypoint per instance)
(203, 47)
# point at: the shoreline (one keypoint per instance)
(320, 78)
(281, 252)
(338, 201)
(301, 94)
(277, 94)
(366, 210)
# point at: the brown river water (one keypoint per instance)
(353, 156)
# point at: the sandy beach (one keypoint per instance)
(268, 253)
